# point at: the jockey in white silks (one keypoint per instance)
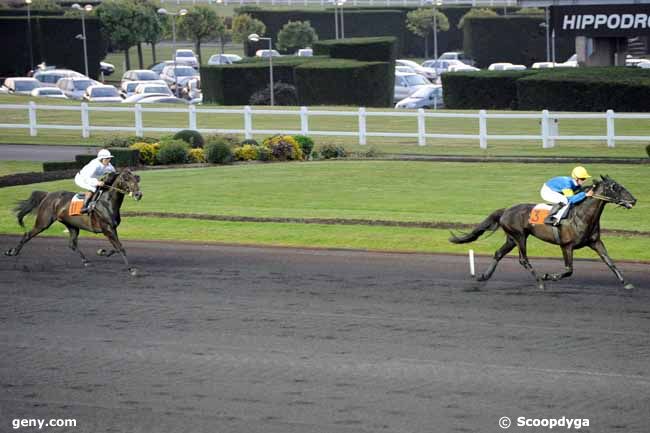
(88, 177)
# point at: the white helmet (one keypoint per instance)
(103, 154)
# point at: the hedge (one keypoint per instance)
(380, 49)
(482, 89)
(121, 158)
(60, 165)
(49, 34)
(515, 38)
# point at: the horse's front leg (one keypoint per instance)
(567, 253)
(599, 247)
(523, 260)
(111, 234)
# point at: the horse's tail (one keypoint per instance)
(490, 223)
(26, 206)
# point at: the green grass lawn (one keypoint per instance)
(12, 167)
(381, 190)
(345, 124)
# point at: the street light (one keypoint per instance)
(87, 8)
(180, 13)
(29, 34)
(338, 4)
(435, 4)
(254, 37)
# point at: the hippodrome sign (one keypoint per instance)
(602, 21)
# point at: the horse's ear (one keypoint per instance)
(137, 178)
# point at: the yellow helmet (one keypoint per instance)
(580, 173)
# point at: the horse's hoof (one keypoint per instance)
(10, 252)
(481, 277)
(86, 264)
(628, 286)
(546, 277)
(101, 252)
(133, 272)
(540, 285)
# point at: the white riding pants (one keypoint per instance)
(81, 182)
(555, 197)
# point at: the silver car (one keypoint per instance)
(424, 97)
(20, 85)
(74, 87)
(49, 77)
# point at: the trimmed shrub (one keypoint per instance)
(173, 152)
(147, 152)
(196, 156)
(306, 144)
(218, 150)
(482, 89)
(60, 165)
(283, 148)
(263, 154)
(247, 152)
(126, 141)
(250, 141)
(191, 137)
(329, 151)
(83, 159)
(229, 139)
(124, 157)
(283, 94)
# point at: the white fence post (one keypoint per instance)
(32, 119)
(611, 131)
(304, 121)
(85, 124)
(422, 140)
(546, 141)
(362, 126)
(191, 110)
(248, 122)
(482, 129)
(138, 121)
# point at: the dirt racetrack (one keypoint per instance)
(242, 339)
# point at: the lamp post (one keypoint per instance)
(435, 27)
(341, 3)
(29, 34)
(182, 12)
(254, 37)
(338, 4)
(87, 8)
(548, 39)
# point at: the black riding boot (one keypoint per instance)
(89, 204)
(549, 219)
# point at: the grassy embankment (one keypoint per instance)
(380, 190)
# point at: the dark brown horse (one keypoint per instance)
(580, 229)
(105, 218)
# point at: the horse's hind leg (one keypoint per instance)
(523, 260)
(567, 253)
(74, 236)
(41, 223)
(111, 234)
(498, 255)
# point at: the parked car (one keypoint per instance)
(127, 88)
(267, 53)
(163, 100)
(462, 68)
(106, 68)
(74, 87)
(571, 62)
(405, 69)
(219, 59)
(140, 75)
(441, 66)
(49, 77)
(158, 87)
(505, 66)
(407, 84)
(424, 97)
(543, 65)
(158, 67)
(20, 85)
(192, 89)
(419, 69)
(134, 99)
(48, 92)
(102, 93)
(187, 57)
(305, 52)
(643, 65)
(457, 55)
(180, 74)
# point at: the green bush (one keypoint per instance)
(173, 152)
(482, 89)
(147, 152)
(126, 141)
(84, 159)
(283, 148)
(263, 154)
(191, 137)
(283, 94)
(60, 165)
(124, 157)
(647, 150)
(329, 151)
(218, 150)
(306, 144)
(196, 156)
(250, 141)
(247, 152)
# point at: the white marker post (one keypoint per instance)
(471, 262)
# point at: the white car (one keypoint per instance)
(441, 66)
(429, 73)
(74, 87)
(424, 97)
(159, 88)
(139, 75)
(305, 52)
(128, 87)
(405, 69)
(20, 85)
(572, 62)
(219, 59)
(192, 90)
(163, 100)
(462, 68)
(187, 57)
(643, 65)
(181, 73)
(505, 66)
(133, 99)
(543, 65)
(49, 77)
(267, 53)
(457, 55)
(407, 84)
(102, 93)
(48, 92)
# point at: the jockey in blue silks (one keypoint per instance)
(564, 191)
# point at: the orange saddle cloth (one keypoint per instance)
(76, 204)
(539, 213)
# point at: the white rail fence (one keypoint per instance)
(549, 132)
(326, 3)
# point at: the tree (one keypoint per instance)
(243, 25)
(151, 27)
(296, 35)
(119, 19)
(200, 23)
(420, 22)
(477, 12)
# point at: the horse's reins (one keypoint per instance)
(129, 193)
